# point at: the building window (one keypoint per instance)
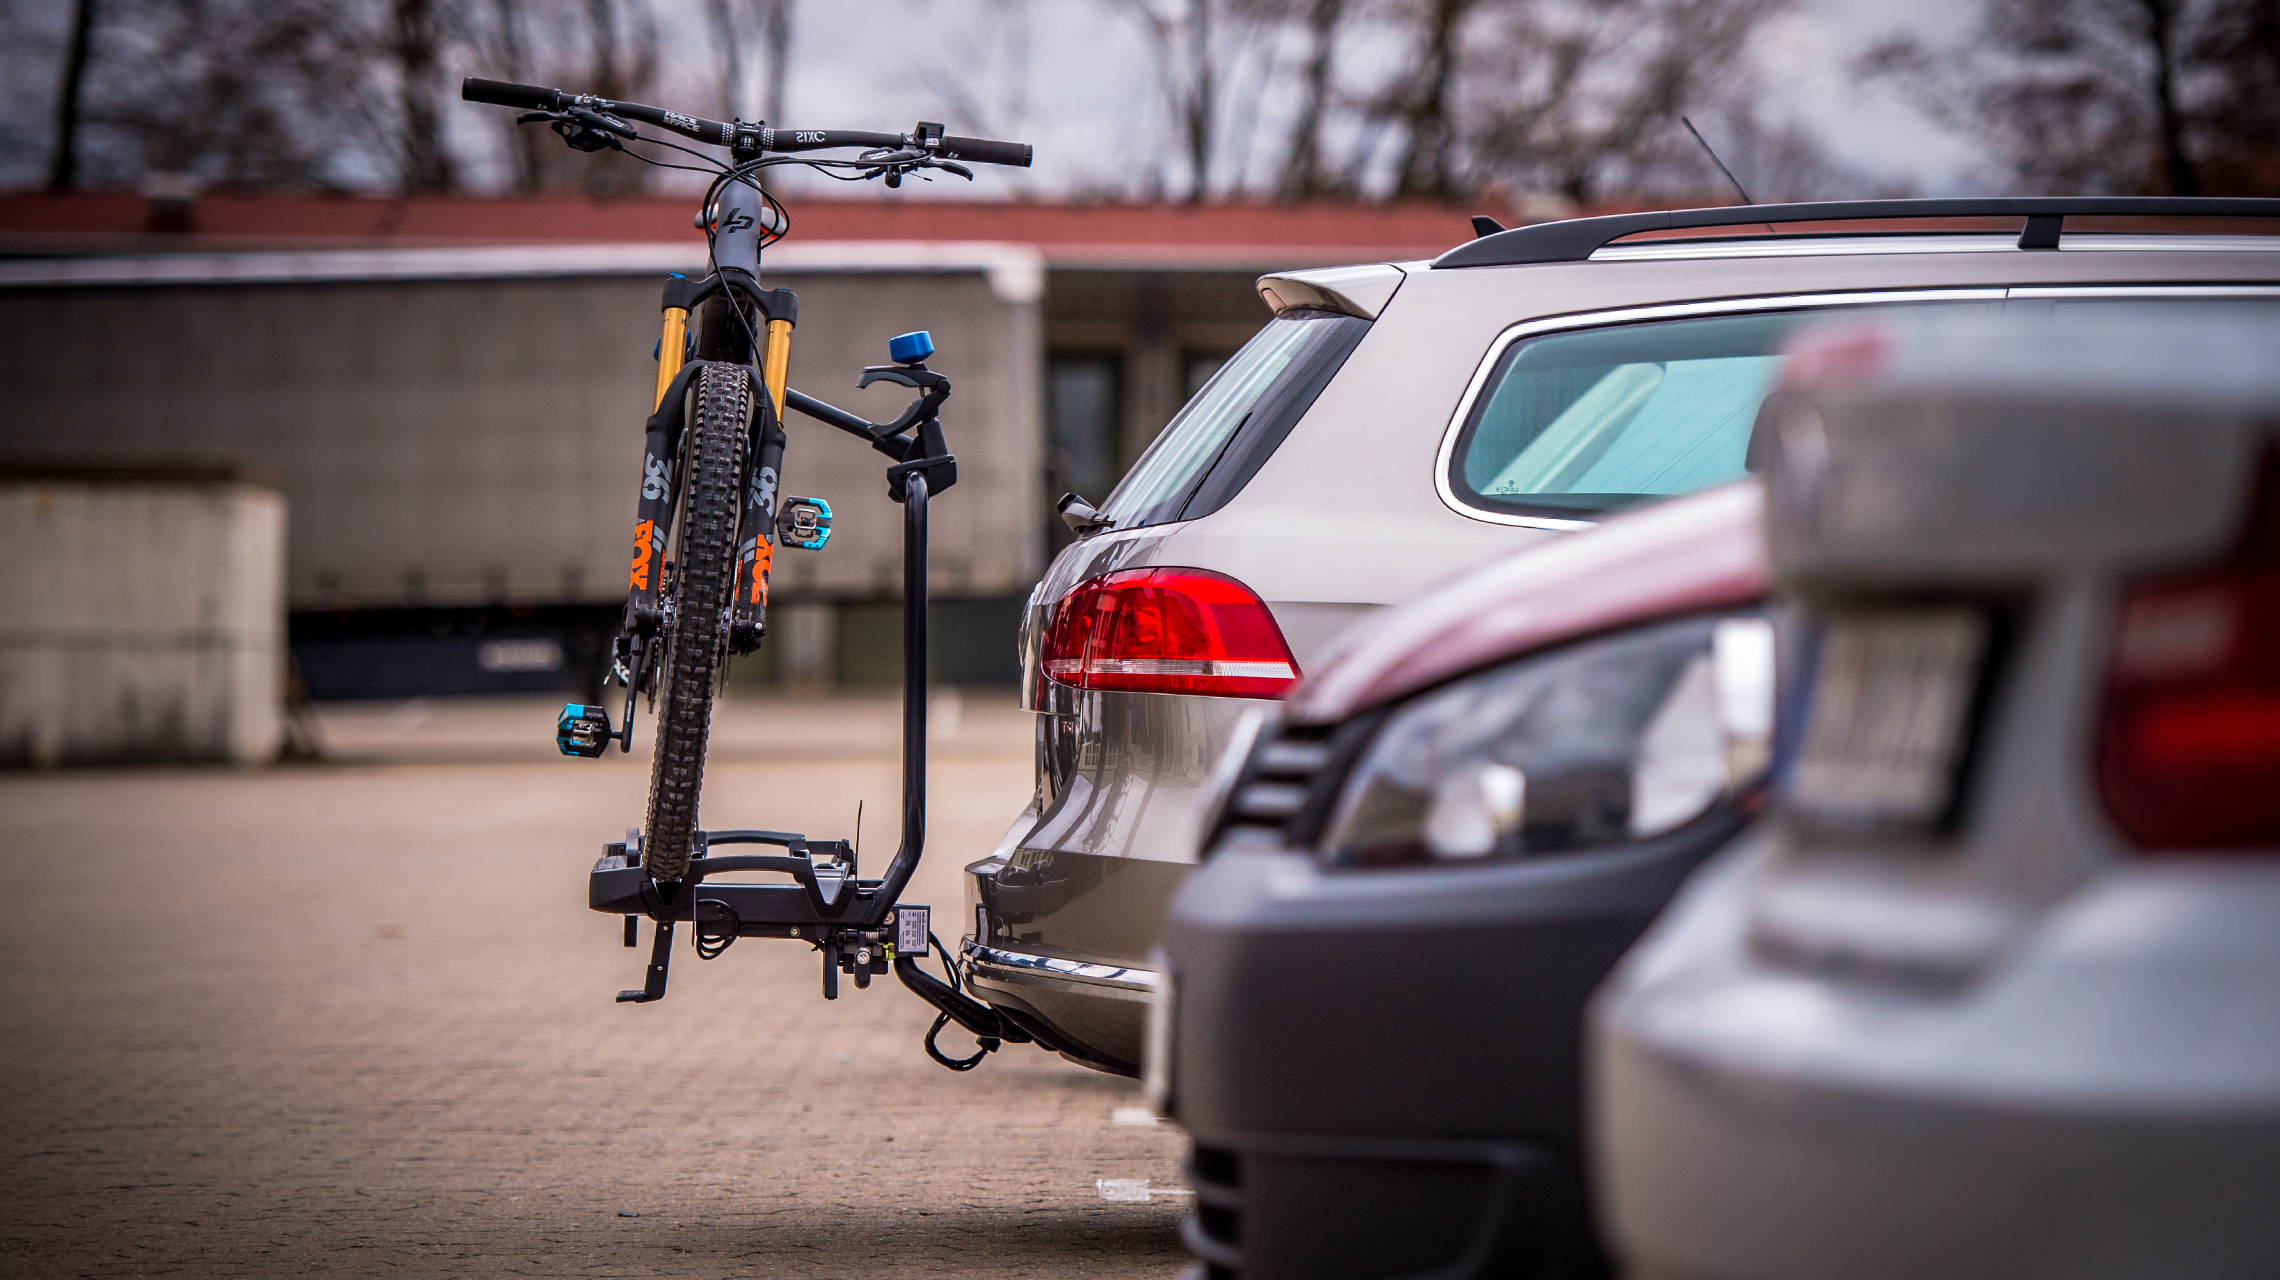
(1081, 432)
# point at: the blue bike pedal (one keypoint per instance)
(583, 730)
(804, 523)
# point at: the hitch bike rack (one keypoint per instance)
(858, 924)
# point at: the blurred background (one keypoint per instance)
(343, 374)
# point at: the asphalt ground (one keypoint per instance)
(353, 1018)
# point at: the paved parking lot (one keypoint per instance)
(354, 1019)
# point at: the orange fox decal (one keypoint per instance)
(641, 534)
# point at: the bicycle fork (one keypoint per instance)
(585, 730)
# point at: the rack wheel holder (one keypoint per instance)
(858, 924)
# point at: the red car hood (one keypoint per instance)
(1688, 554)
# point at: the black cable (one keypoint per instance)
(989, 1044)
(660, 163)
(716, 165)
(711, 949)
(948, 965)
(942, 1020)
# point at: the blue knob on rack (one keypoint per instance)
(910, 348)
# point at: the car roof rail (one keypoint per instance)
(1576, 239)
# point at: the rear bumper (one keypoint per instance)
(1380, 1068)
(1077, 892)
(1049, 940)
(2103, 1101)
(1095, 1013)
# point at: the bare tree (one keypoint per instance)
(1425, 105)
(1584, 99)
(1304, 176)
(415, 42)
(622, 53)
(2238, 48)
(1182, 47)
(776, 47)
(63, 170)
(974, 57)
(503, 46)
(723, 21)
(248, 93)
(2109, 95)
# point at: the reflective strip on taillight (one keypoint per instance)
(2189, 753)
(1168, 631)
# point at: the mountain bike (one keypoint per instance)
(706, 526)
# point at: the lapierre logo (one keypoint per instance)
(737, 221)
(654, 485)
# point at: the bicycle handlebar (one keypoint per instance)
(531, 97)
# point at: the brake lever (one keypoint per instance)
(583, 129)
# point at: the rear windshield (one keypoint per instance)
(1213, 447)
(1575, 424)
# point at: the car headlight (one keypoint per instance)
(1607, 742)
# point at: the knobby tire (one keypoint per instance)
(703, 576)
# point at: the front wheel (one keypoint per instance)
(696, 633)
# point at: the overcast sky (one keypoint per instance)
(1086, 98)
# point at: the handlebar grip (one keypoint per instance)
(984, 151)
(499, 93)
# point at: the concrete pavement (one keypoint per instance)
(354, 1019)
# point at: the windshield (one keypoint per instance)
(1218, 441)
(1575, 424)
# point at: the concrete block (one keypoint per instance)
(145, 617)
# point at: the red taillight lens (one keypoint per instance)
(1168, 631)
(2189, 758)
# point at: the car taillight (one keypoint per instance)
(1168, 631)
(2189, 757)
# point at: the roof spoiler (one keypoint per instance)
(1576, 239)
(1355, 291)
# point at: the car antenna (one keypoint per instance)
(1712, 152)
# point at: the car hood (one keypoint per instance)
(1701, 552)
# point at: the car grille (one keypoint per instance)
(1286, 789)
(1215, 1233)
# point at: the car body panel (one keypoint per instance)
(2012, 1044)
(2081, 1114)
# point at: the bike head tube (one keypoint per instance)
(740, 217)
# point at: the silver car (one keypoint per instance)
(1996, 990)
(1394, 424)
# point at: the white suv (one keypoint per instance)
(1393, 425)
